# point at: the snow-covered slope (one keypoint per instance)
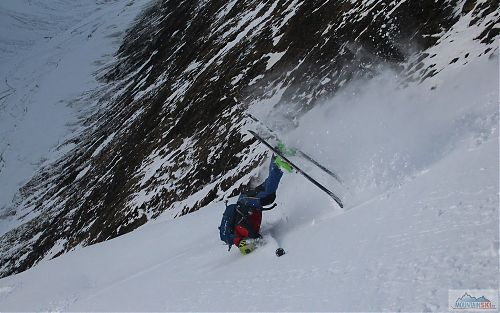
(27, 56)
(167, 137)
(27, 23)
(430, 224)
(421, 163)
(48, 81)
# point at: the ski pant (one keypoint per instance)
(266, 191)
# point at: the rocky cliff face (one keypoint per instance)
(167, 136)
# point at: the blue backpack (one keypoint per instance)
(226, 227)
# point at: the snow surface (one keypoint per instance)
(49, 83)
(421, 165)
(26, 24)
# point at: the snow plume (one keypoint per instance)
(378, 133)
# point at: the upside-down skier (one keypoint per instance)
(241, 221)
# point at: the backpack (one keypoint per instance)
(226, 228)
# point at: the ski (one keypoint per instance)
(300, 152)
(310, 159)
(297, 169)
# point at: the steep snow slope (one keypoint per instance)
(49, 84)
(27, 23)
(422, 222)
(169, 133)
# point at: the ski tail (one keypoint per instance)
(298, 169)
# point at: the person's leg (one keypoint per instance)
(272, 181)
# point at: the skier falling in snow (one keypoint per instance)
(241, 221)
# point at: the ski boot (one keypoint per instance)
(280, 162)
(286, 151)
